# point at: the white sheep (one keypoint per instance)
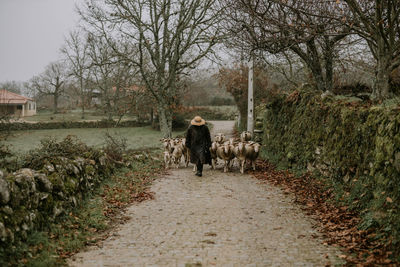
(176, 155)
(167, 159)
(185, 151)
(239, 151)
(252, 150)
(245, 136)
(166, 144)
(219, 138)
(225, 152)
(213, 152)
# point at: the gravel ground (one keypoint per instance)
(220, 219)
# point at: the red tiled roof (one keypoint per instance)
(7, 97)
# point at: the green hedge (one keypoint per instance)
(355, 146)
(206, 113)
(23, 126)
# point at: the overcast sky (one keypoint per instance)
(31, 35)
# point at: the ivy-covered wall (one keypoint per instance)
(353, 145)
(52, 181)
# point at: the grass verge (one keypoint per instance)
(91, 222)
(136, 137)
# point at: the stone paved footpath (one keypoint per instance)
(220, 219)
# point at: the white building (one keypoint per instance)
(13, 104)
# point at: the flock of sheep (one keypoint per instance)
(241, 149)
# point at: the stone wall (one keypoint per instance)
(354, 145)
(32, 197)
(23, 126)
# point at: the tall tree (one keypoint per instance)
(76, 54)
(112, 75)
(288, 25)
(378, 22)
(164, 39)
(51, 82)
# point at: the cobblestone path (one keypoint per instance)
(215, 220)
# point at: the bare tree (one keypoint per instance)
(76, 53)
(289, 25)
(285, 69)
(163, 39)
(51, 82)
(113, 76)
(12, 86)
(378, 22)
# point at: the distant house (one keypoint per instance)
(16, 105)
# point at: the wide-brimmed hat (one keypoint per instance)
(198, 121)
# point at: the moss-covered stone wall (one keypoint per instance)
(52, 183)
(353, 145)
(22, 126)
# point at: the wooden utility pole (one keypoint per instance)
(250, 102)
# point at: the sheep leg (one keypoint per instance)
(186, 157)
(231, 162)
(195, 168)
(187, 160)
(242, 166)
(254, 165)
(226, 166)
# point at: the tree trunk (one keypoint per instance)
(109, 111)
(319, 80)
(165, 122)
(55, 106)
(381, 85)
(83, 110)
(83, 100)
(311, 59)
(328, 69)
(83, 104)
(382, 74)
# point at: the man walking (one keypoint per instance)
(198, 140)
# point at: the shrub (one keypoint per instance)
(115, 146)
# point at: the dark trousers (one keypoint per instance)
(199, 166)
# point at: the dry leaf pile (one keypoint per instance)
(338, 224)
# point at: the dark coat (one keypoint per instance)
(198, 140)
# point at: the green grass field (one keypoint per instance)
(137, 137)
(70, 115)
